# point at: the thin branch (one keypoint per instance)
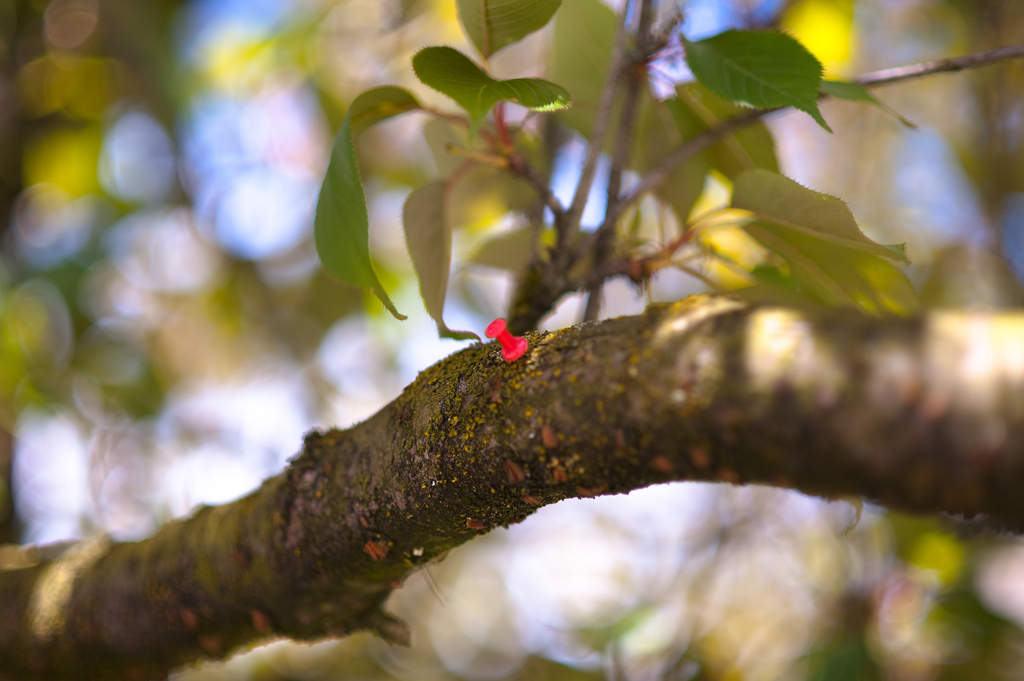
(623, 138)
(702, 278)
(622, 142)
(970, 61)
(519, 166)
(553, 290)
(456, 119)
(602, 119)
(678, 157)
(874, 79)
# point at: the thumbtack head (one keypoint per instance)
(512, 347)
(495, 328)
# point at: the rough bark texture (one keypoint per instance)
(922, 414)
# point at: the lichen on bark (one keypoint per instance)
(922, 414)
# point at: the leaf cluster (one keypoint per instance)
(703, 133)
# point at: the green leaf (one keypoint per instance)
(378, 104)
(659, 132)
(481, 192)
(665, 125)
(484, 194)
(833, 275)
(513, 250)
(828, 255)
(442, 137)
(762, 69)
(788, 205)
(428, 236)
(580, 54)
(775, 286)
(771, 275)
(847, 657)
(900, 250)
(806, 268)
(747, 149)
(584, 33)
(493, 24)
(452, 73)
(855, 93)
(341, 226)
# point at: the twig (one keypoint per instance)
(873, 79)
(461, 121)
(702, 278)
(602, 117)
(620, 152)
(970, 61)
(518, 165)
(554, 289)
(678, 156)
(623, 139)
(499, 123)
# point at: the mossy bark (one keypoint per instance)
(922, 414)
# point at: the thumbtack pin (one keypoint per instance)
(512, 347)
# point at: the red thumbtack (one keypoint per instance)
(512, 347)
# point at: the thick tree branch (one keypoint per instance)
(923, 414)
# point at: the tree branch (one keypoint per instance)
(602, 119)
(923, 414)
(518, 165)
(679, 156)
(548, 290)
(875, 79)
(970, 61)
(635, 76)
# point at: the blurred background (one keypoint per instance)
(167, 335)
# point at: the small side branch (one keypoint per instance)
(518, 165)
(970, 61)
(874, 79)
(683, 152)
(570, 223)
(621, 144)
(602, 119)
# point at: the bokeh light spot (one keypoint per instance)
(69, 23)
(137, 161)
